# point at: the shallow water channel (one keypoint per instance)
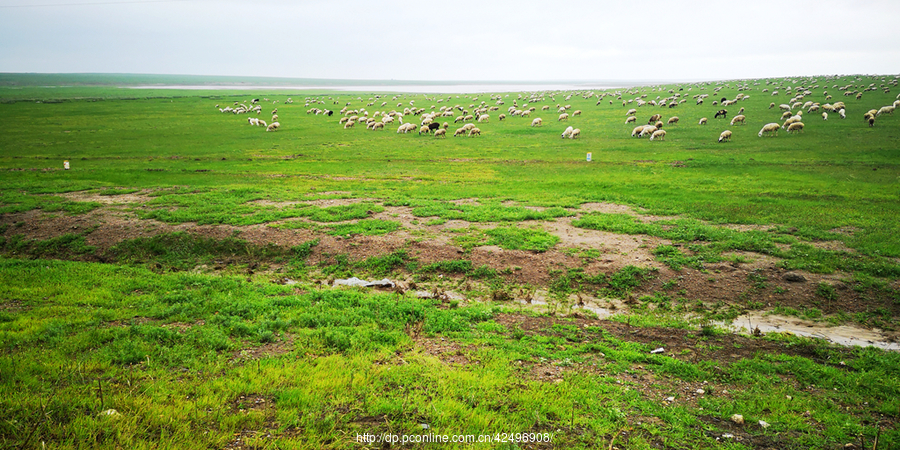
(845, 335)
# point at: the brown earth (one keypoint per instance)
(724, 283)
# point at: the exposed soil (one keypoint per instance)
(758, 282)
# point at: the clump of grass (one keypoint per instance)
(675, 258)
(183, 251)
(508, 238)
(367, 227)
(616, 284)
(68, 245)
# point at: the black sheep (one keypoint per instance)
(722, 112)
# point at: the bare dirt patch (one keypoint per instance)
(757, 283)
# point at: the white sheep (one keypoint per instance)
(824, 115)
(725, 136)
(648, 130)
(672, 120)
(658, 135)
(459, 132)
(474, 132)
(273, 126)
(442, 132)
(795, 127)
(703, 121)
(885, 110)
(577, 112)
(842, 113)
(738, 118)
(637, 130)
(563, 116)
(576, 133)
(630, 119)
(537, 122)
(769, 128)
(349, 124)
(785, 107)
(567, 133)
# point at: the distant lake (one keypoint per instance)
(422, 88)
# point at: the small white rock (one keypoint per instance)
(738, 419)
(700, 391)
(764, 424)
(658, 350)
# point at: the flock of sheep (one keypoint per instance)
(435, 120)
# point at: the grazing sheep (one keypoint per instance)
(576, 133)
(658, 135)
(406, 128)
(563, 116)
(576, 113)
(349, 124)
(459, 131)
(725, 136)
(788, 122)
(631, 112)
(484, 118)
(273, 126)
(654, 118)
(769, 128)
(824, 115)
(441, 132)
(795, 127)
(872, 122)
(648, 130)
(501, 117)
(567, 132)
(672, 120)
(630, 119)
(424, 129)
(721, 112)
(786, 115)
(703, 121)
(738, 118)
(637, 130)
(785, 107)
(274, 117)
(537, 122)
(378, 126)
(885, 110)
(842, 113)
(474, 132)
(771, 105)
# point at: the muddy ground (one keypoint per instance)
(722, 284)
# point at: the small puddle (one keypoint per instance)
(845, 335)
(589, 304)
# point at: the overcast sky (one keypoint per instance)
(522, 40)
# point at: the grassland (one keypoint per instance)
(180, 272)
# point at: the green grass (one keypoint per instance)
(186, 357)
(195, 360)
